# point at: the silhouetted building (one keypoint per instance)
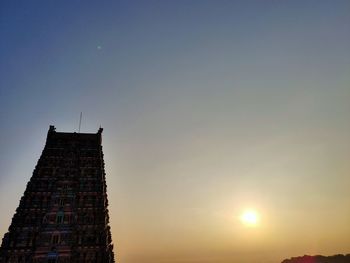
(63, 215)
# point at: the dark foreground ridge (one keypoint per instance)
(319, 259)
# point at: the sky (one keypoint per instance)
(209, 108)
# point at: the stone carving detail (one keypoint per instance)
(63, 216)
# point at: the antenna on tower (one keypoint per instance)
(81, 116)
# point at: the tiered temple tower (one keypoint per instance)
(63, 216)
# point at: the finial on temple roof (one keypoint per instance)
(52, 128)
(81, 116)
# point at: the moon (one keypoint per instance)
(250, 218)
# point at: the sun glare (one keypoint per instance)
(250, 218)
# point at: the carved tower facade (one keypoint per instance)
(63, 216)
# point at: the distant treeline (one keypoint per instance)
(319, 259)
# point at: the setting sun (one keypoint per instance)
(250, 218)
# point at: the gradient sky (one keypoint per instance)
(208, 108)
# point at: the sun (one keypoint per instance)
(250, 218)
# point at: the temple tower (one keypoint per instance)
(63, 216)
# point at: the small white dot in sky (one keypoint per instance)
(99, 47)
